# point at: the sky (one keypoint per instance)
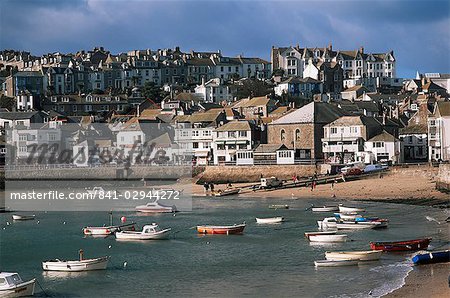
(417, 31)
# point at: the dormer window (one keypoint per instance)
(53, 99)
(89, 98)
(65, 99)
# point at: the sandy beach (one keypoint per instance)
(425, 281)
(399, 185)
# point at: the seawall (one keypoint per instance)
(243, 174)
(443, 177)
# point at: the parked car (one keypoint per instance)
(374, 168)
(357, 165)
(271, 182)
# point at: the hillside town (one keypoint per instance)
(305, 106)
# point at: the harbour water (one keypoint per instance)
(267, 260)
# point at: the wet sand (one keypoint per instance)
(425, 281)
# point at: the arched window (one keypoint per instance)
(297, 134)
(283, 135)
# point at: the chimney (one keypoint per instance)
(330, 47)
(361, 50)
(384, 119)
(203, 80)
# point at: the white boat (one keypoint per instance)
(227, 192)
(328, 263)
(109, 230)
(149, 232)
(307, 234)
(368, 255)
(23, 217)
(328, 238)
(327, 223)
(269, 220)
(358, 225)
(325, 209)
(343, 209)
(154, 207)
(76, 266)
(347, 216)
(12, 285)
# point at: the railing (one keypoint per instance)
(268, 162)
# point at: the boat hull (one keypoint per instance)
(279, 207)
(160, 235)
(22, 217)
(22, 290)
(227, 193)
(370, 255)
(145, 209)
(409, 245)
(105, 231)
(328, 238)
(269, 220)
(432, 257)
(335, 263)
(308, 234)
(76, 266)
(223, 230)
(325, 209)
(343, 209)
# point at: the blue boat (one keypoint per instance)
(432, 257)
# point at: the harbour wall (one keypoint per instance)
(243, 174)
(443, 177)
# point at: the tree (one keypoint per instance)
(253, 88)
(151, 91)
(7, 102)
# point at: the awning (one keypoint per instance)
(241, 142)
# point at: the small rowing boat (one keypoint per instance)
(76, 266)
(278, 206)
(328, 238)
(227, 192)
(23, 217)
(325, 209)
(269, 220)
(335, 263)
(407, 245)
(344, 209)
(154, 207)
(224, 230)
(368, 255)
(12, 285)
(149, 232)
(358, 225)
(432, 257)
(307, 234)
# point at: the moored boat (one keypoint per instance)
(23, 217)
(325, 209)
(347, 216)
(335, 263)
(227, 192)
(307, 234)
(105, 231)
(278, 206)
(344, 209)
(432, 257)
(369, 255)
(149, 232)
(224, 230)
(357, 225)
(406, 245)
(269, 220)
(12, 285)
(76, 266)
(328, 238)
(154, 207)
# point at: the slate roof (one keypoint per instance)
(384, 136)
(314, 112)
(270, 148)
(235, 126)
(414, 129)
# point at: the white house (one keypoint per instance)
(439, 132)
(214, 91)
(385, 147)
(230, 138)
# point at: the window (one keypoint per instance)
(52, 137)
(22, 137)
(410, 139)
(231, 134)
(195, 145)
(23, 149)
(378, 144)
(220, 146)
(297, 134)
(242, 146)
(283, 135)
(243, 133)
(206, 133)
(206, 145)
(334, 130)
(195, 133)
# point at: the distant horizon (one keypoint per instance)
(416, 31)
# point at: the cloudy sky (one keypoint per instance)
(417, 31)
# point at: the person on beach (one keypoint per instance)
(206, 186)
(211, 186)
(332, 184)
(294, 178)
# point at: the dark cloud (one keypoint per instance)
(416, 30)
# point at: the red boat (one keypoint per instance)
(224, 230)
(407, 245)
